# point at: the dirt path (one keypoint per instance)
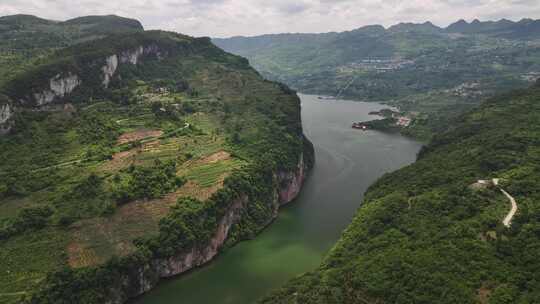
(508, 219)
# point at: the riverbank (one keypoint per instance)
(347, 164)
(233, 207)
(424, 235)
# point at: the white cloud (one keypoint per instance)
(220, 18)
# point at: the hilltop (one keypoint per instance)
(25, 38)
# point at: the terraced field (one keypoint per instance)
(194, 142)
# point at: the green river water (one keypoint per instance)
(347, 162)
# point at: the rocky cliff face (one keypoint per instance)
(63, 84)
(5, 114)
(291, 183)
(128, 57)
(141, 280)
(109, 69)
(59, 86)
(133, 56)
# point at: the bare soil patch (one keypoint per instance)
(138, 135)
(96, 240)
(216, 157)
(483, 295)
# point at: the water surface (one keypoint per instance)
(347, 162)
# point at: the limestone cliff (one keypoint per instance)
(109, 69)
(143, 279)
(132, 56)
(5, 114)
(59, 86)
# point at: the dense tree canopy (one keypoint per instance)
(425, 235)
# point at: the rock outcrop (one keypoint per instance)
(63, 84)
(59, 86)
(134, 56)
(109, 69)
(141, 280)
(292, 183)
(5, 114)
(128, 57)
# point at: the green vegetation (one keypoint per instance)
(419, 68)
(425, 235)
(148, 183)
(28, 40)
(113, 176)
(210, 174)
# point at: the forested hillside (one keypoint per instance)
(429, 233)
(132, 149)
(432, 74)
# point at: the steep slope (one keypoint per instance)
(431, 74)
(25, 38)
(429, 233)
(138, 157)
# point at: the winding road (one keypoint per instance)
(508, 219)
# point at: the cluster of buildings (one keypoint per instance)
(378, 65)
(403, 121)
(468, 89)
(531, 76)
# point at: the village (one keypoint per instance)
(394, 118)
(466, 90)
(380, 65)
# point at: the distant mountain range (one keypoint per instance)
(504, 28)
(417, 67)
(524, 29)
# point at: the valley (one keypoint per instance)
(138, 156)
(431, 74)
(423, 234)
(147, 166)
(347, 163)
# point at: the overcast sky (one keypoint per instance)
(224, 18)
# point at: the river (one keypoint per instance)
(347, 162)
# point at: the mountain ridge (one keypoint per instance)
(460, 26)
(430, 73)
(25, 19)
